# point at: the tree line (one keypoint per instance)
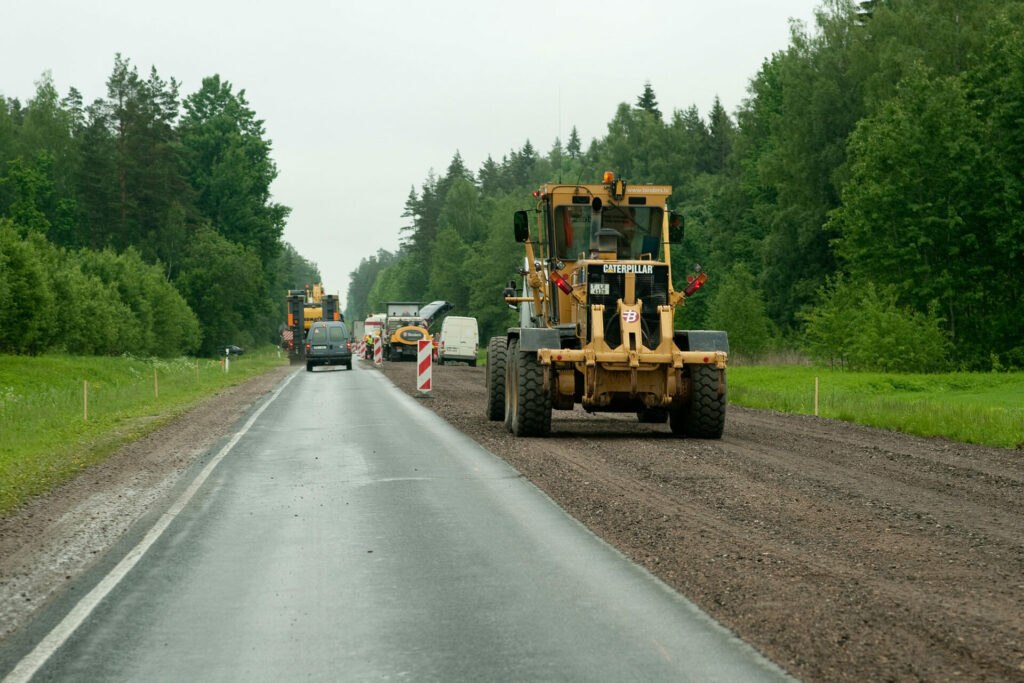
(140, 223)
(863, 204)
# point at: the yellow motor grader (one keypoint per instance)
(596, 317)
(305, 307)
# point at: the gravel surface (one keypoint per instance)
(842, 552)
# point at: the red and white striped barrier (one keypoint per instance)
(378, 352)
(423, 355)
(360, 348)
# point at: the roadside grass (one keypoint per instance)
(974, 407)
(982, 408)
(45, 438)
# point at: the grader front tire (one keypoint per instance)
(496, 355)
(528, 406)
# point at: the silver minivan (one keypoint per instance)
(328, 343)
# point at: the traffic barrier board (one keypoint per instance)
(423, 364)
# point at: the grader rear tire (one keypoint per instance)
(527, 405)
(703, 417)
(496, 355)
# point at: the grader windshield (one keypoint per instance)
(639, 228)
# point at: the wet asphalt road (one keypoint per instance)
(350, 534)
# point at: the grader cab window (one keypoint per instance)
(572, 231)
(640, 227)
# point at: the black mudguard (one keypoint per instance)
(535, 338)
(702, 340)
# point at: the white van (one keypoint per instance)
(458, 340)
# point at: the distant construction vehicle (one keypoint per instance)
(403, 328)
(405, 324)
(294, 335)
(305, 307)
(596, 315)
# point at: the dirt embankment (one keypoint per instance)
(842, 552)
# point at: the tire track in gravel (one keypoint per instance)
(811, 556)
(842, 552)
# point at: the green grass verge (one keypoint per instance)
(983, 408)
(45, 437)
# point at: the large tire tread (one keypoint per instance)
(704, 416)
(511, 383)
(496, 358)
(532, 415)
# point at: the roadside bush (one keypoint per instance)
(86, 302)
(162, 323)
(222, 281)
(738, 308)
(93, 320)
(26, 300)
(861, 327)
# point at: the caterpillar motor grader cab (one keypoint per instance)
(596, 317)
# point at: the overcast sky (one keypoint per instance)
(362, 99)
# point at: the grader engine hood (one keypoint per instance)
(606, 285)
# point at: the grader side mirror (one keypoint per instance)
(676, 228)
(521, 226)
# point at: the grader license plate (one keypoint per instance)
(601, 288)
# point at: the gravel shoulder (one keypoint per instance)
(842, 552)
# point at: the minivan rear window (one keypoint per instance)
(318, 335)
(338, 333)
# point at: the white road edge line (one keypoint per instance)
(34, 660)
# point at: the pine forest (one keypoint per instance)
(862, 206)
